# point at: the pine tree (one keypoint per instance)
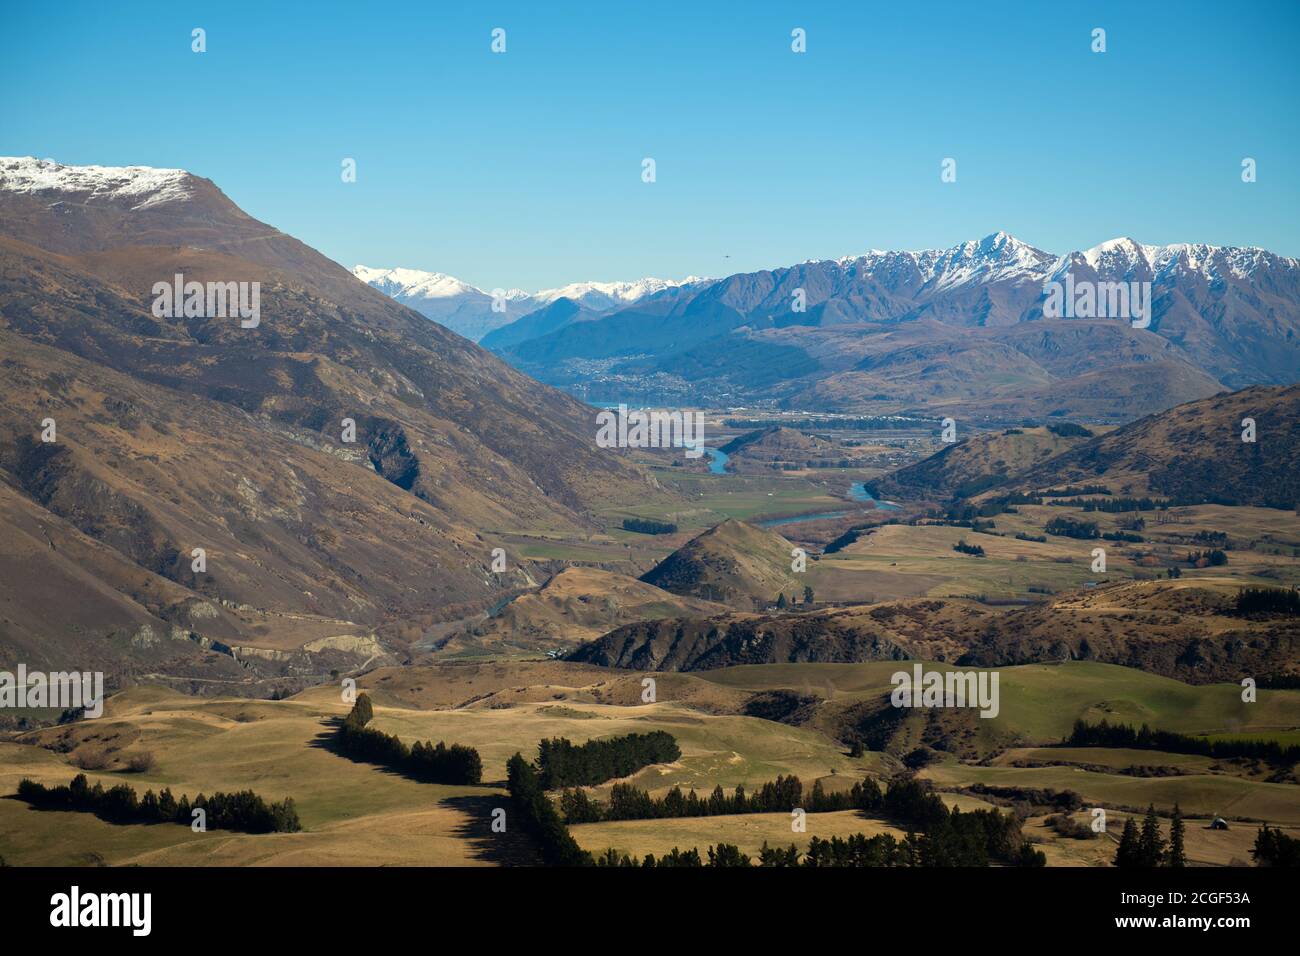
(362, 711)
(1176, 856)
(1126, 857)
(1151, 846)
(780, 601)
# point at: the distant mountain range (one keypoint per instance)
(180, 431)
(961, 331)
(468, 311)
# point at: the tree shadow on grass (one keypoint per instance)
(327, 740)
(512, 848)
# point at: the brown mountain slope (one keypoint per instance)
(176, 433)
(734, 563)
(973, 464)
(1193, 452)
(437, 414)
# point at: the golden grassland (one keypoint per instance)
(356, 813)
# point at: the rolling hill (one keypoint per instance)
(575, 606)
(732, 563)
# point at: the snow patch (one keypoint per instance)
(144, 186)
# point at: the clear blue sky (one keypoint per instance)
(524, 169)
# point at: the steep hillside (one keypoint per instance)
(184, 431)
(974, 464)
(1193, 452)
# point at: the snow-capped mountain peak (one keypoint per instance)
(413, 282)
(995, 257)
(466, 309)
(141, 186)
(601, 295)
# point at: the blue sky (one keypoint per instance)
(524, 169)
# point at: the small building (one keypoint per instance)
(1218, 823)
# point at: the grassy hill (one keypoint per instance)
(361, 814)
(733, 563)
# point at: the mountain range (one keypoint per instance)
(958, 331)
(469, 311)
(172, 434)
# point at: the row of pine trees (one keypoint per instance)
(627, 802)
(243, 811)
(562, 763)
(427, 762)
(1105, 734)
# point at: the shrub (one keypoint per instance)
(91, 758)
(141, 762)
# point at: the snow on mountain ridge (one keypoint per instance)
(416, 283)
(615, 292)
(1119, 258)
(152, 186)
(999, 257)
